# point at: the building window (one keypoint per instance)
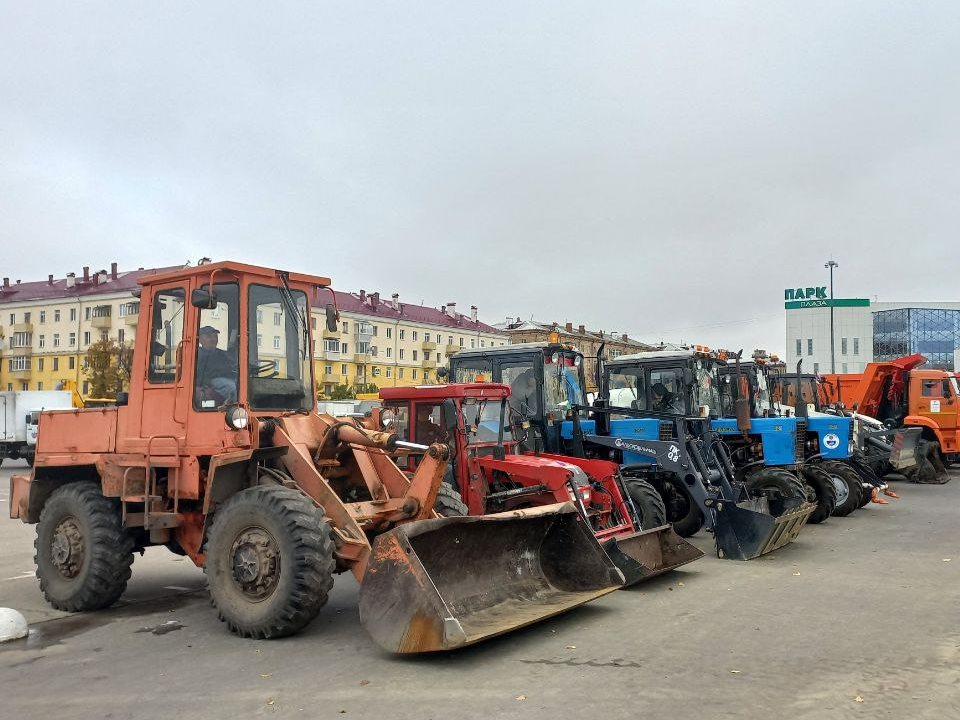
(473, 343)
(401, 353)
(42, 341)
(843, 347)
(71, 363)
(449, 339)
(26, 317)
(313, 322)
(9, 387)
(856, 346)
(344, 349)
(21, 362)
(86, 387)
(414, 355)
(414, 335)
(73, 339)
(43, 316)
(24, 386)
(346, 327)
(799, 348)
(438, 358)
(426, 337)
(461, 342)
(816, 368)
(40, 385)
(56, 339)
(400, 373)
(39, 363)
(259, 317)
(56, 315)
(810, 346)
(402, 334)
(21, 339)
(331, 345)
(73, 314)
(13, 318)
(426, 376)
(844, 366)
(389, 352)
(56, 364)
(120, 336)
(389, 370)
(389, 335)
(86, 337)
(259, 340)
(483, 343)
(328, 369)
(363, 348)
(413, 373)
(86, 314)
(276, 342)
(343, 369)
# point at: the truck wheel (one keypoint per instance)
(647, 501)
(449, 502)
(269, 561)
(820, 490)
(83, 555)
(776, 480)
(682, 510)
(849, 487)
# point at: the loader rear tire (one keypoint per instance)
(83, 555)
(449, 502)
(682, 510)
(647, 501)
(269, 561)
(849, 487)
(820, 490)
(776, 480)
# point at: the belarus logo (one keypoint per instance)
(831, 441)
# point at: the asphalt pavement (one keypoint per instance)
(856, 619)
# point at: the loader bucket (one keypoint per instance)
(445, 583)
(751, 528)
(648, 553)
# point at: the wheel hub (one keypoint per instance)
(255, 559)
(66, 549)
(843, 492)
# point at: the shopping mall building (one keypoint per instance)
(865, 331)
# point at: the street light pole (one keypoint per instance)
(833, 341)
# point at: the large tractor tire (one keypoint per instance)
(820, 490)
(848, 486)
(776, 480)
(449, 502)
(269, 561)
(648, 503)
(83, 555)
(682, 510)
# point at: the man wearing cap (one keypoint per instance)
(216, 370)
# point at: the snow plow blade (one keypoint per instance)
(752, 528)
(904, 450)
(648, 553)
(442, 584)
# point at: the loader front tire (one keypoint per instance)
(269, 561)
(647, 501)
(449, 502)
(682, 510)
(775, 480)
(820, 490)
(82, 554)
(849, 487)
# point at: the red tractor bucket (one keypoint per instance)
(442, 584)
(648, 553)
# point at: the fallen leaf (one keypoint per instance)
(946, 559)
(364, 682)
(521, 698)
(569, 647)
(735, 672)
(679, 584)
(266, 675)
(269, 701)
(797, 572)
(858, 698)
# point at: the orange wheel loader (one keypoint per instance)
(218, 453)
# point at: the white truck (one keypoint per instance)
(19, 420)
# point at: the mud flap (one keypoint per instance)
(646, 554)
(751, 528)
(442, 584)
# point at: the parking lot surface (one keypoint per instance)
(857, 619)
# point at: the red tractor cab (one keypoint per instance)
(474, 420)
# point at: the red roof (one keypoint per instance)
(377, 307)
(44, 290)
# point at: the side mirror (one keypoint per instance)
(203, 299)
(331, 313)
(450, 417)
(442, 373)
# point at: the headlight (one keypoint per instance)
(237, 418)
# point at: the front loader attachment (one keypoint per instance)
(442, 584)
(648, 553)
(750, 528)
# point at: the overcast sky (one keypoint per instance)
(663, 169)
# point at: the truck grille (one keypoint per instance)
(801, 439)
(666, 431)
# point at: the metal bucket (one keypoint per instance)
(751, 528)
(648, 553)
(442, 584)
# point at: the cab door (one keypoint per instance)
(165, 404)
(937, 400)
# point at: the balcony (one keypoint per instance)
(451, 348)
(332, 334)
(101, 316)
(335, 378)
(362, 358)
(130, 319)
(428, 346)
(428, 364)
(26, 327)
(24, 374)
(25, 350)
(364, 331)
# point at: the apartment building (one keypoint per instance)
(47, 326)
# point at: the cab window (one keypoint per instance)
(166, 334)
(666, 391)
(628, 388)
(931, 388)
(524, 391)
(218, 363)
(477, 371)
(400, 420)
(429, 427)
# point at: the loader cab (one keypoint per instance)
(681, 383)
(785, 393)
(545, 379)
(226, 343)
(754, 385)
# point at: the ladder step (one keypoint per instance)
(156, 520)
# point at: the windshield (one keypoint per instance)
(785, 391)
(279, 369)
(478, 370)
(561, 384)
(707, 391)
(627, 388)
(482, 421)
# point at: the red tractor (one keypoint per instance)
(474, 420)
